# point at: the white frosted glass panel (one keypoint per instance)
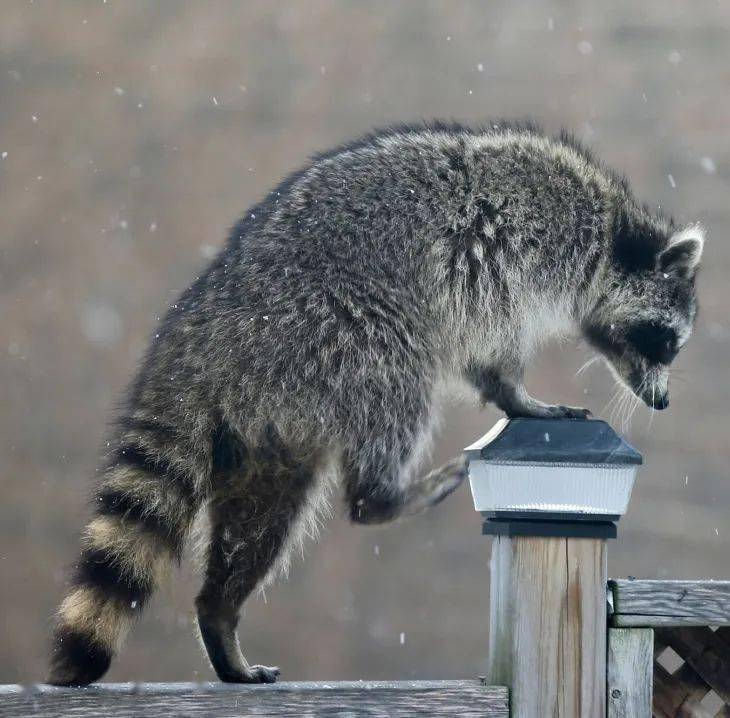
(566, 488)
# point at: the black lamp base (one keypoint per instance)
(546, 524)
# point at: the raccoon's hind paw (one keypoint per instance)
(255, 674)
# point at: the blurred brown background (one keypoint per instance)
(131, 136)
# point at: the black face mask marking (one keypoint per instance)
(656, 343)
(604, 339)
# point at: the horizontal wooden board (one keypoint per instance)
(670, 603)
(355, 698)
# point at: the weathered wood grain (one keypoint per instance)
(548, 624)
(630, 672)
(670, 603)
(586, 625)
(165, 700)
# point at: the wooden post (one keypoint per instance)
(630, 672)
(551, 492)
(548, 625)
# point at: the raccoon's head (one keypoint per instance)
(647, 310)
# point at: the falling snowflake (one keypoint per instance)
(708, 165)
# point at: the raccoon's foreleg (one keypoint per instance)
(434, 487)
(378, 489)
(252, 516)
(505, 389)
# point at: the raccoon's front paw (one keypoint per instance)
(568, 412)
(550, 411)
(255, 674)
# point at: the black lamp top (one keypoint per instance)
(549, 441)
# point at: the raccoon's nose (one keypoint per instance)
(661, 402)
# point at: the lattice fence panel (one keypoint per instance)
(691, 672)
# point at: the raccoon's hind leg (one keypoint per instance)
(253, 513)
(506, 390)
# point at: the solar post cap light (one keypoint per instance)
(552, 477)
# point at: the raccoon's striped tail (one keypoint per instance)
(143, 509)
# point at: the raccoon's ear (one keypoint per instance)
(683, 253)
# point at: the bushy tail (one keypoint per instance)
(142, 511)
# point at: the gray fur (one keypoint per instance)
(323, 333)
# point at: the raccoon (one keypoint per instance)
(318, 342)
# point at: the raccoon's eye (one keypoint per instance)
(653, 341)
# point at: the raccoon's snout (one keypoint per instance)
(658, 401)
(654, 390)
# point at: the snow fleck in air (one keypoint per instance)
(101, 324)
(118, 91)
(674, 57)
(717, 533)
(551, 24)
(448, 38)
(322, 70)
(708, 165)
(402, 638)
(34, 118)
(471, 92)
(4, 155)
(686, 480)
(585, 47)
(376, 550)
(133, 604)
(215, 101)
(547, 437)
(253, 216)
(123, 224)
(153, 227)
(671, 181)
(643, 97)
(480, 67)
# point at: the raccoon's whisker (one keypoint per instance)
(625, 410)
(653, 410)
(586, 364)
(610, 404)
(618, 413)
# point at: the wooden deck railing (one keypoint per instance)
(668, 656)
(386, 699)
(669, 649)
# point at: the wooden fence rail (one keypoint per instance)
(677, 620)
(397, 699)
(668, 656)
